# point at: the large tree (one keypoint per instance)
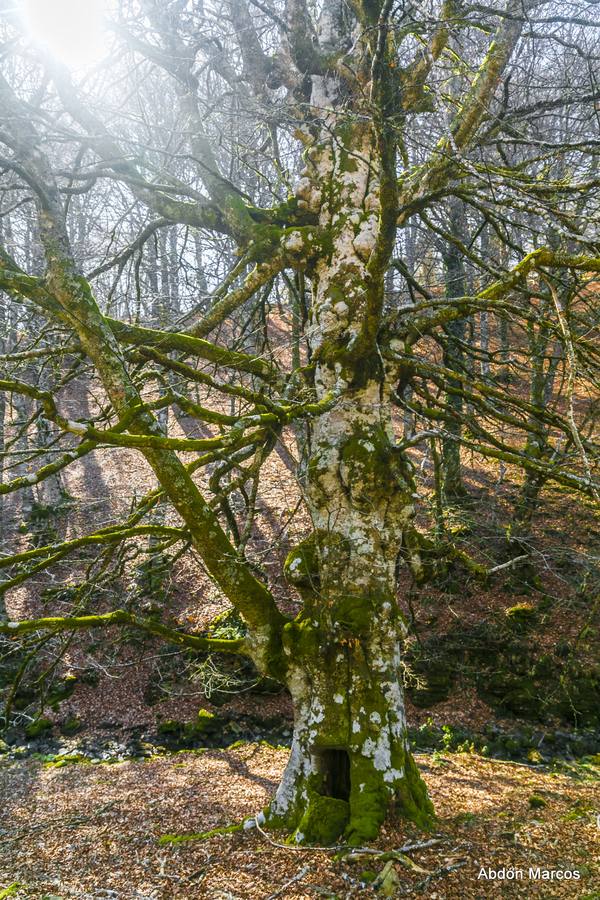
(397, 110)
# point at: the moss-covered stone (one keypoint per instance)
(505, 665)
(435, 683)
(38, 728)
(72, 725)
(189, 734)
(61, 690)
(521, 617)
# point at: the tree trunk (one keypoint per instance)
(350, 764)
(544, 364)
(454, 358)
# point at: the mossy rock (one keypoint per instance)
(438, 678)
(521, 617)
(189, 734)
(38, 728)
(516, 694)
(537, 802)
(501, 659)
(580, 698)
(207, 722)
(72, 725)
(61, 690)
(323, 822)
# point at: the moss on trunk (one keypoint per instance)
(350, 765)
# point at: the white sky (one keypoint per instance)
(71, 30)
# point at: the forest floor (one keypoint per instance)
(85, 830)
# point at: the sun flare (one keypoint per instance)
(73, 31)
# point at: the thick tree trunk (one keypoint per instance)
(350, 764)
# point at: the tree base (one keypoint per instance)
(316, 818)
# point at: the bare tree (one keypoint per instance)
(224, 99)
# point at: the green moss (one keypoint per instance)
(366, 455)
(413, 800)
(354, 613)
(200, 836)
(38, 727)
(521, 617)
(536, 802)
(301, 638)
(369, 805)
(367, 876)
(323, 821)
(301, 567)
(59, 761)
(347, 162)
(186, 734)
(228, 625)
(61, 690)
(71, 726)
(370, 800)
(169, 726)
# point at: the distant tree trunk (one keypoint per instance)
(174, 301)
(200, 275)
(151, 573)
(51, 492)
(21, 412)
(537, 448)
(410, 259)
(3, 423)
(484, 316)
(454, 358)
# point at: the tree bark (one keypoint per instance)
(454, 267)
(350, 763)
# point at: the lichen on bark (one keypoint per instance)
(350, 765)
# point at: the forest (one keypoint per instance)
(299, 449)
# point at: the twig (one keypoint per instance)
(334, 849)
(507, 565)
(392, 854)
(297, 877)
(443, 870)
